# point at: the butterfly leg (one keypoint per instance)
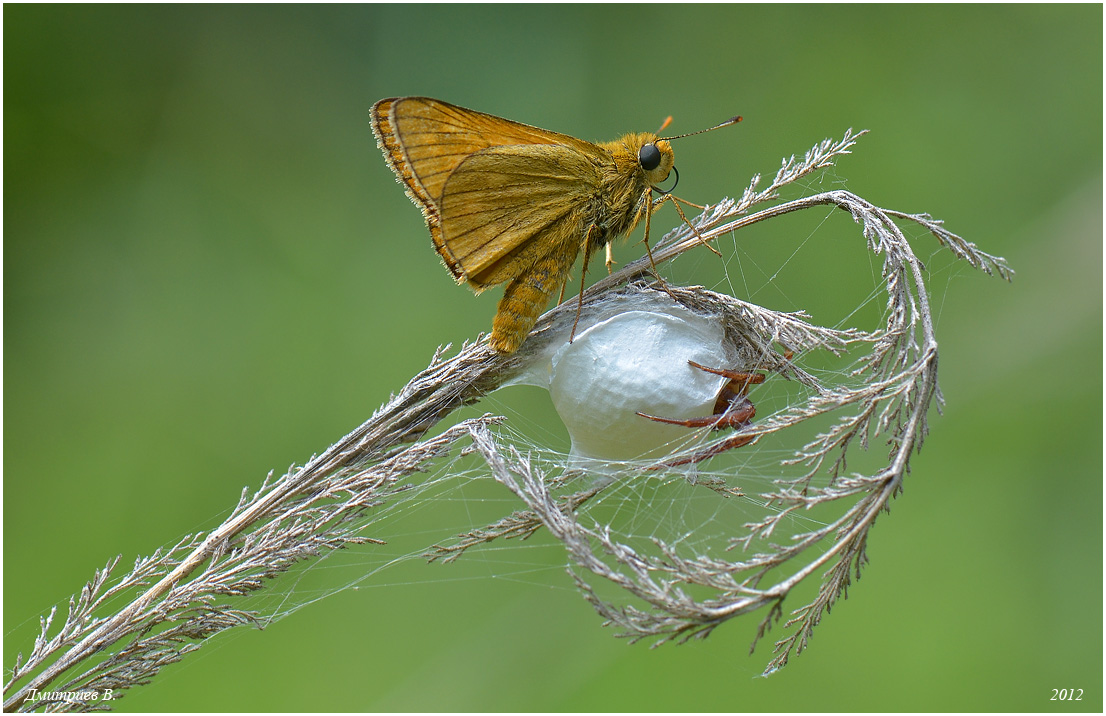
(676, 201)
(525, 298)
(650, 208)
(583, 274)
(700, 207)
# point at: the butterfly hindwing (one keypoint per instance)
(509, 205)
(483, 202)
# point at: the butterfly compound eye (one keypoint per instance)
(649, 157)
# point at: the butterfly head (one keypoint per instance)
(656, 159)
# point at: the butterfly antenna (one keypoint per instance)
(728, 122)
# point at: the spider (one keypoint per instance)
(733, 409)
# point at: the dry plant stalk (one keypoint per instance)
(185, 594)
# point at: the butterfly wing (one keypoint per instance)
(487, 186)
(505, 207)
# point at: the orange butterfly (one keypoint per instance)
(509, 203)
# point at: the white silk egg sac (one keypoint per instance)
(634, 361)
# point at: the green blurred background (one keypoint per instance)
(210, 273)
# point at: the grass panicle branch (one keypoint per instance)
(180, 597)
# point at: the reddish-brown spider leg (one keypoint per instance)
(733, 409)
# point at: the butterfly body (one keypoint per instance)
(509, 203)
